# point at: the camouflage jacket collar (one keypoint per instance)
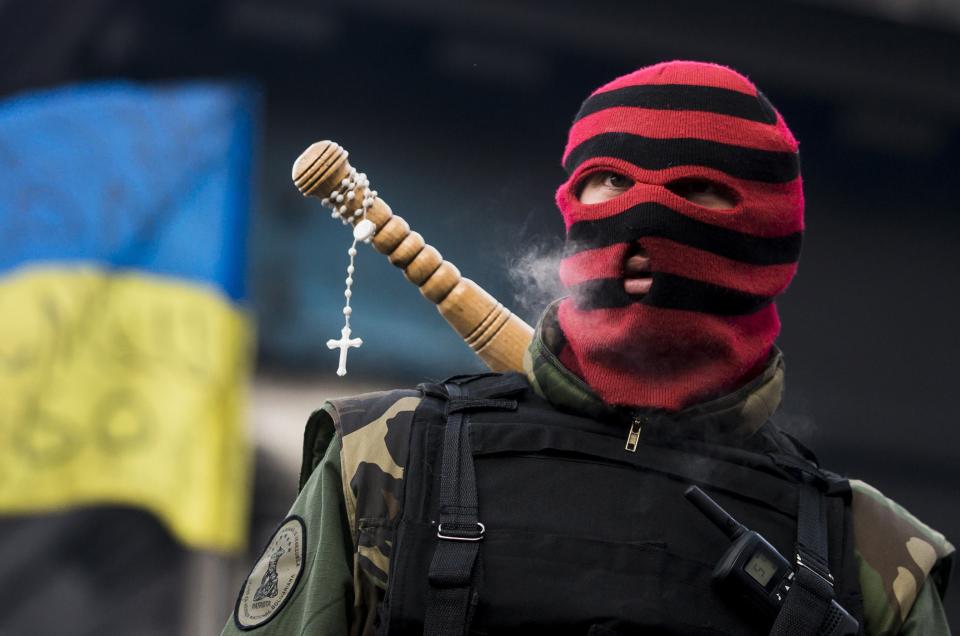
(735, 415)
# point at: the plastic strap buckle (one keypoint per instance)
(812, 567)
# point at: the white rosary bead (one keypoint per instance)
(364, 230)
(350, 269)
(343, 209)
(345, 182)
(347, 293)
(349, 280)
(358, 213)
(351, 196)
(352, 251)
(347, 311)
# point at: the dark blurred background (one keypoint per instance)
(458, 113)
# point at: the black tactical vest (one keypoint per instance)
(580, 535)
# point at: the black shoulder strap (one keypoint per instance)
(810, 608)
(459, 530)
(480, 385)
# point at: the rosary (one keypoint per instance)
(339, 201)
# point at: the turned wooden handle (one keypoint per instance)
(498, 336)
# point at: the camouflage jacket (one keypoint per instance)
(352, 489)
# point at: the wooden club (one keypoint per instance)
(498, 336)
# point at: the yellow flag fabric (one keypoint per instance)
(124, 345)
(127, 389)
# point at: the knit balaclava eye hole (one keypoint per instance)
(708, 322)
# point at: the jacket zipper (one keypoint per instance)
(633, 437)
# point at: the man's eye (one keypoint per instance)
(710, 194)
(616, 181)
(602, 185)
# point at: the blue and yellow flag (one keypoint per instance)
(124, 347)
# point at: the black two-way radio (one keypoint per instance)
(755, 572)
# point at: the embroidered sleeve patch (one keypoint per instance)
(274, 577)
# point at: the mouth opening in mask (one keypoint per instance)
(637, 277)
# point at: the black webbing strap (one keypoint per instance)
(459, 530)
(812, 534)
(809, 601)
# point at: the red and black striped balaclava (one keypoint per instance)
(708, 323)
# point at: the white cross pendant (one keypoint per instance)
(344, 344)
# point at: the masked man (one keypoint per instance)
(554, 501)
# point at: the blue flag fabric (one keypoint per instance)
(153, 179)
